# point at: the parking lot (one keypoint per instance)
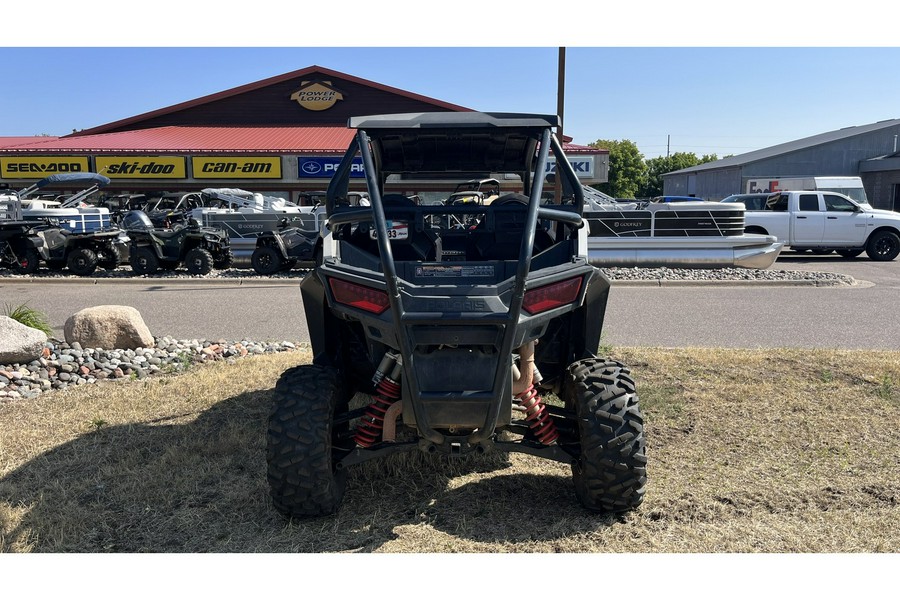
(720, 315)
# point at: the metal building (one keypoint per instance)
(866, 151)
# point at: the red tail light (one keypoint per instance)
(550, 296)
(358, 296)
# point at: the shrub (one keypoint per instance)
(29, 317)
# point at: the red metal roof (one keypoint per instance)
(6, 141)
(194, 140)
(278, 140)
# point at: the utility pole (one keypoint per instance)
(560, 109)
(668, 144)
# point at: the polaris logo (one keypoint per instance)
(455, 305)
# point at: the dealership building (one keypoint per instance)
(870, 152)
(281, 136)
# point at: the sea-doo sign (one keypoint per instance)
(141, 167)
(316, 95)
(324, 167)
(234, 167)
(38, 167)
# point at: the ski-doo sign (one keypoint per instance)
(38, 167)
(141, 167)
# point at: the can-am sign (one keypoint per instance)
(226, 167)
(324, 167)
(38, 167)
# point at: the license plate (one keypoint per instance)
(396, 230)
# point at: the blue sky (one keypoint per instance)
(721, 99)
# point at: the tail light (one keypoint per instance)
(358, 296)
(551, 296)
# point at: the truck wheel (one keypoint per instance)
(143, 261)
(27, 262)
(109, 257)
(198, 261)
(302, 439)
(82, 261)
(611, 473)
(883, 246)
(266, 260)
(223, 259)
(847, 253)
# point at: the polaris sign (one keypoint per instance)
(320, 167)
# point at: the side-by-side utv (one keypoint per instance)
(460, 321)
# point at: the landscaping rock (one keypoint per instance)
(107, 327)
(19, 343)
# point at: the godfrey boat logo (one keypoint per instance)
(316, 95)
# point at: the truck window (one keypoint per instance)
(835, 203)
(777, 202)
(809, 202)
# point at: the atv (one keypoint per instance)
(281, 250)
(454, 336)
(199, 249)
(24, 244)
(20, 246)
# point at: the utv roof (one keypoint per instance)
(452, 119)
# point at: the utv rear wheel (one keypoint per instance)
(302, 440)
(198, 261)
(143, 261)
(611, 473)
(266, 260)
(27, 262)
(883, 246)
(82, 261)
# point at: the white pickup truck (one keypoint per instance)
(826, 221)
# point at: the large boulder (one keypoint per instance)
(108, 326)
(19, 343)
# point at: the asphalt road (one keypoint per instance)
(758, 316)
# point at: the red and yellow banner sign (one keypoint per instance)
(38, 167)
(141, 167)
(233, 167)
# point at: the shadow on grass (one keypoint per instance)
(196, 483)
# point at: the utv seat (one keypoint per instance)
(499, 235)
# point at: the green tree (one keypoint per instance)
(659, 166)
(627, 171)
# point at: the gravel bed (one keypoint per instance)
(731, 274)
(63, 365)
(614, 273)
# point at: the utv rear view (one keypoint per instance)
(460, 322)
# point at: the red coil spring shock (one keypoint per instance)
(539, 420)
(369, 429)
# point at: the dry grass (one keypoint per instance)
(749, 451)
